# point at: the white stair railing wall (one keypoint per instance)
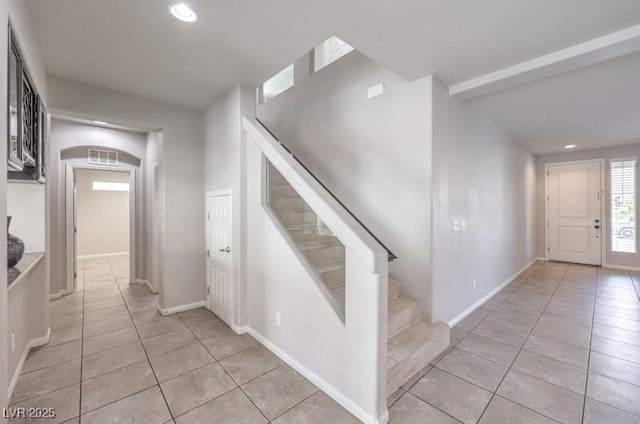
(345, 358)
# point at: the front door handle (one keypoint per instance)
(228, 249)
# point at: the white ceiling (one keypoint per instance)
(135, 46)
(594, 106)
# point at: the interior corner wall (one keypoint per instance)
(623, 260)
(182, 176)
(224, 169)
(373, 154)
(482, 176)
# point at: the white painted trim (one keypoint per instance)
(54, 296)
(492, 293)
(102, 254)
(148, 283)
(622, 267)
(597, 50)
(33, 343)
(181, 308)
(603, 205)
(314, 378)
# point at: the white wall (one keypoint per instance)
(182, 175)
(374, 155)
(616, 152)
(68, 141)
(26, 206)
(102, 216)
(224, 168)
(482, 176)
(15, 11)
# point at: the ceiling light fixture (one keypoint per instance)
(569, 146)
(183, 12)
(100, 122)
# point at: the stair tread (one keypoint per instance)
(327, 266)
(329, 241)
(414, 337)
(399, 304)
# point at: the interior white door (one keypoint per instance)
(574, 212)
(219, 256)
(74, 212)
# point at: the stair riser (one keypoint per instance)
(324, 254)
(410, 366)
(296, 218)
(403, 320)
(333, 278)
(394, 289)
(289, 203)
(306, 236)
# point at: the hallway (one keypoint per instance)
(529, 355)
(113, 358)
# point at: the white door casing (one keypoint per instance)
(219, 255)
(574, 213)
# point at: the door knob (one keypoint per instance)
(228, 249)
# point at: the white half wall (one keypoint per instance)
(482, 177)
(102, 216)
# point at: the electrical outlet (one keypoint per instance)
(13, 342)
(375, 91)
(278, 319)
(456, 224)
(473, 283)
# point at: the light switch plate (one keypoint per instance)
(456, 225)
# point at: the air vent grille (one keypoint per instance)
(103, 157)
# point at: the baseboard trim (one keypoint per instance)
(621, 267)
(181, 308)
(148, 283)
(102, 255)
(37, 342)
(54, 296)
(322, 384)
(492, 293)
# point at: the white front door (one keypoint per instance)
(219, 256)
(574, 212)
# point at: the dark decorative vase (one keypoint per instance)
(15, 247)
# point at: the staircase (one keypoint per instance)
(322, 250)
(412, 343)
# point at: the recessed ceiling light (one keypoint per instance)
(569, 146)
(183, 12)
(100, 122)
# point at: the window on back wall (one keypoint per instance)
(623, 205)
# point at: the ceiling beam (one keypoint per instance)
(593, 51)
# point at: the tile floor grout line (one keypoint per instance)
(292, 407)
(494, 394)
(143, 349)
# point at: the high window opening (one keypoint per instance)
(277, 84)
(328, 52)
(623, 205)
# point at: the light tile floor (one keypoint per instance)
(113, 359)
(559, 344)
